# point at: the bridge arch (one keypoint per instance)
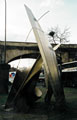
(29, 55)
(16, 49)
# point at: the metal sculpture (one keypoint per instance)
(24, 89)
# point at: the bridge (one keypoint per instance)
(15, 50)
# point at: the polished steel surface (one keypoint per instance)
(48, 56)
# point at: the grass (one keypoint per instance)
(3, 99)
(42, 111)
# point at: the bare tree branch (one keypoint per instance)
(58, 36)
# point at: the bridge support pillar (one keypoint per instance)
(4, 76)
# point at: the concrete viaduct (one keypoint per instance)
(15, 50)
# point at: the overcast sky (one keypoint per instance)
(62, 13)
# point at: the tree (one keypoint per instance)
(59, 37)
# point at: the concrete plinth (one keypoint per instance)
(4, 76)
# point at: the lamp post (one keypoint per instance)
(5, 35)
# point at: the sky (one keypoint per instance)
(62, 13)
